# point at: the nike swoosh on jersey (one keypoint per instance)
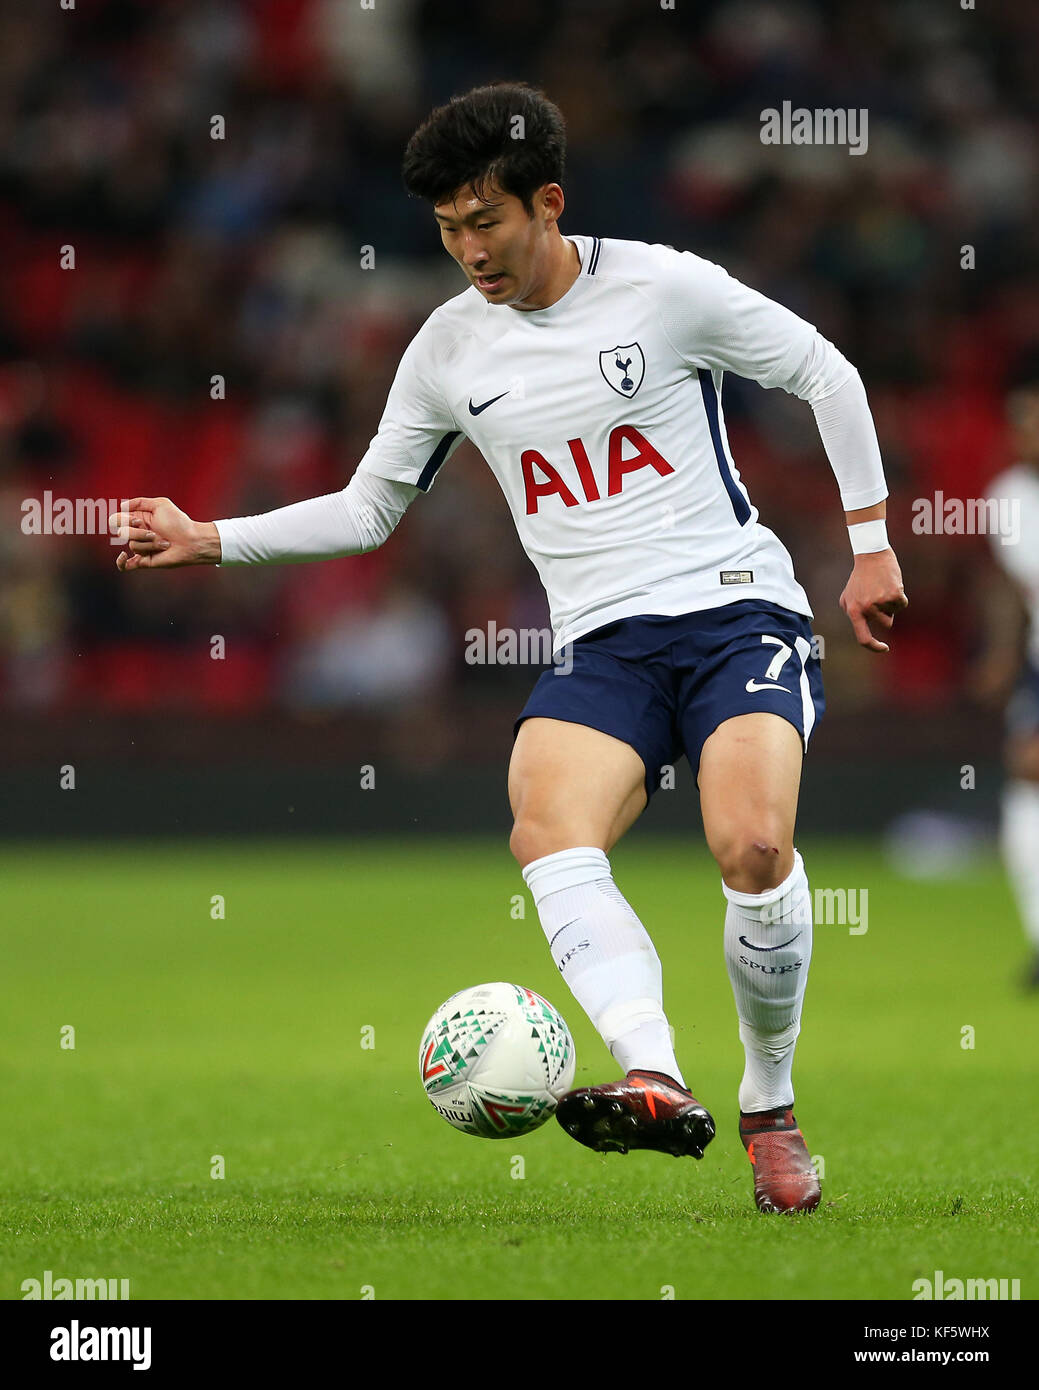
(476, 409)
(753, 686)
(751, 947)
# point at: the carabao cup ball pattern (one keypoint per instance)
(453, 1044)
(556, 1044)
(479, 1096)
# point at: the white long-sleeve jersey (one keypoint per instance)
(601, 419)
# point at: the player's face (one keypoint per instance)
(503, 250)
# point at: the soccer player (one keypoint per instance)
(588, 372)
(1013, 624)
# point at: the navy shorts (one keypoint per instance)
(1022, 716)
(664, 684)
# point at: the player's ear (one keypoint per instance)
(551, 201)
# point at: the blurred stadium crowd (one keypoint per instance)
(242, 258)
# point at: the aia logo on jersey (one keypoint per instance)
(551, 480)
(623, 368)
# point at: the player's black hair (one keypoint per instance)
(1023, 374)
(477, 139)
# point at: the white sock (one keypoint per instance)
(1019, 834)
(769, 982)
(605, 955)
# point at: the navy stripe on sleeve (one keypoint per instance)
(710, 399)
(436, 458)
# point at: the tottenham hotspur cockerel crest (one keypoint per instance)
(623, 368)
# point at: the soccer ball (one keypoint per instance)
(495, 1060)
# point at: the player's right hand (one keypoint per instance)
(873, 594)
(158, 535)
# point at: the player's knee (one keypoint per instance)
(528, 835)
(535, 836)
(752, 862)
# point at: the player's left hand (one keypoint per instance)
(872, 597)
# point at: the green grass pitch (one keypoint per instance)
(242, 1037)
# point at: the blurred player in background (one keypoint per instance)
(588, 372)
(1012, 633)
